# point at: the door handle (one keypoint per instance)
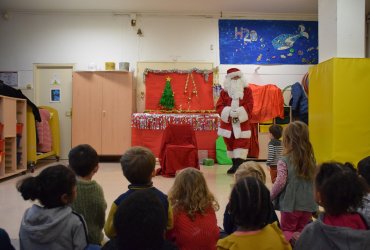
(68, 113)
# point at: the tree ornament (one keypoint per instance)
(167, 100)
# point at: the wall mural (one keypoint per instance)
(268, 42)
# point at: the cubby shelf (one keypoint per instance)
(13, 148)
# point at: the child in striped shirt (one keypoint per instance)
(274, 150)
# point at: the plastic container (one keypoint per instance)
(19, 128)
(110, 66)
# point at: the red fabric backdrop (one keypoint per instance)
(155, 83)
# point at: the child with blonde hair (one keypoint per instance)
(292, 191)
(250, 168)
(250, 208)
(194, 206)
(246, 169)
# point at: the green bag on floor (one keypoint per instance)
(221, 152)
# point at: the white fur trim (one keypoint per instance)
(235, 104)
(224, 133)
(240, 153)
(226, 82)
(246, 134)
(225, 114)
(230, 154)
(233, 74)
(237, 130)
(243, 115)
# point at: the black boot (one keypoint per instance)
(236, 163)
(234, 167)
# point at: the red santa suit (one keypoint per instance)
(235, 106)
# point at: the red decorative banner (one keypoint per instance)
(192, 90)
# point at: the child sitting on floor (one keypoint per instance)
(90, 202)
(140, 222)
(138, 166)
(52, 225)
(251, 169)
(194, 206)
(339, 191)
(250, 208)
(363, 169)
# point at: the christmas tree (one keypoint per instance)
(167, 100)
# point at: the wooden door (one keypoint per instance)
(116, 112)
(87, 109)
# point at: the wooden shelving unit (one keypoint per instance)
(13, 136)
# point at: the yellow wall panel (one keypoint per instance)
(339, 109)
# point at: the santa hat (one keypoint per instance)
(232, 72)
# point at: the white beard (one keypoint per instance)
(235, 88)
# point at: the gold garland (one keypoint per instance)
(195, 91)
(180, 111)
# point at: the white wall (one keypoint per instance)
(341, 29)
(85, 38)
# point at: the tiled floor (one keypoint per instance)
(110, 177)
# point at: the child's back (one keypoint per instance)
(194, 206)
(90, 202)
(363, 169)
(246, 169)
(53, 225)
(250, 207)
(138, 166)
(340, 192)
(55, 228)
(275, 150)
(293, 190)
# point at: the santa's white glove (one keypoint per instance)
(234, 113)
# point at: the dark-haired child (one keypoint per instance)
(339, 191)
(52, 225)
(90, 202)
(140, 222)
(246, 169)
(5, 243)
(138, 166)
(363, 169)
(250, 207)
(274, 150)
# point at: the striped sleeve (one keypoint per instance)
(270, 155)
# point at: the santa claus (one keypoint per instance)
(235, 108)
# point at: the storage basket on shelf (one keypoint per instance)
(19, 128)
(1, 128)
